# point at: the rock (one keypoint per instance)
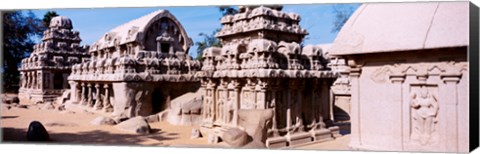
(15, 100)
(38, 102)
(186, 109)
(196, 134)
(255, 124)
(162, 116)
(61, 108)
(235, 137)
(152, 118)
(212, 139)
(48, 106)
(23, 106)
(136, 125)
(103, 121)
(36, 132)
(6, 101)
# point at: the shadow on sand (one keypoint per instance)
(96, 137)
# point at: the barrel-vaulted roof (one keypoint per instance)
(388, 27)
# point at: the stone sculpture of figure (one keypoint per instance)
(425, 109)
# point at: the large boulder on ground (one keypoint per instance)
(186, 109)
(36, 132)
(136, 125)
(196, 134)
(235, 137)
(103, 121)
(15, 100)
(256, 123)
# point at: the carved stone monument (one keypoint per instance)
(43, 75)
(136, 68)
(409, 76)
(262, 66)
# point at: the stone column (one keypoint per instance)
(83, 99)
(355, 137)
(325, 102)
(451, 102)
(397, 101)
(98, 100)
(237, 104)
(90, 95)
(106, 99)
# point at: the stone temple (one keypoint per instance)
(396, 83)
(409, 76)
(136, 68)
(262, 66)
(43, 75)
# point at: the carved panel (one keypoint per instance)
(424, 109)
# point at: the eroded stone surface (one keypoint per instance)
(137, 125)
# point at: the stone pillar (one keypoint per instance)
(73, 92)
(397, 103)
(451, 103)
(98, 100)
(83, 96)
(90, 95)
(236, 104)
(106, 99)
(355, 137)
(325, 102)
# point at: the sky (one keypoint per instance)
(92, 23)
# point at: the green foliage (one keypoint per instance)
(47, 17)
(227, 10)
(342, 13)
(208, 41)
(19, 32)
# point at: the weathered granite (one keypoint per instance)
(43, 75)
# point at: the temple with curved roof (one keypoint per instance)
(136, 68)
(409, 76)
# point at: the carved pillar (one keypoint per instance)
(397, 95)
(40, 80)
(451, 102)
(325, 102)
(355, 138)
(90, 95)
(83, 96)
(106, 99)
(236, 104)
(98, 100)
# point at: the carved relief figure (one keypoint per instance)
(424, 112)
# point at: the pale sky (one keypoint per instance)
(93, 23)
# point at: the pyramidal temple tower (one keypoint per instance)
(43, 75)
(264, 81)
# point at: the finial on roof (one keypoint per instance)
(61, 22)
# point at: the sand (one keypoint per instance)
(69, 127)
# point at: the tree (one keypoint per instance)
(208, 41)
(19, 32)
(227, 10)
(211, 40)
(47, 17)
(342, 13)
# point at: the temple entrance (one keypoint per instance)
(58, 81)
(158, 101)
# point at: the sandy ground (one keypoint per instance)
(67, 127)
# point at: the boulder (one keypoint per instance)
(136, 125)
(36, 132)
(23, 106)
(196, 134)
(235, 137)
(48, 106)
(186, 109)
(152, 118)
(103, 121)
(255, 122)
(15, 100)
(61, 108)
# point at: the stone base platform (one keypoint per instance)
(302, 138)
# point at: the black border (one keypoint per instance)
(473, 78)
